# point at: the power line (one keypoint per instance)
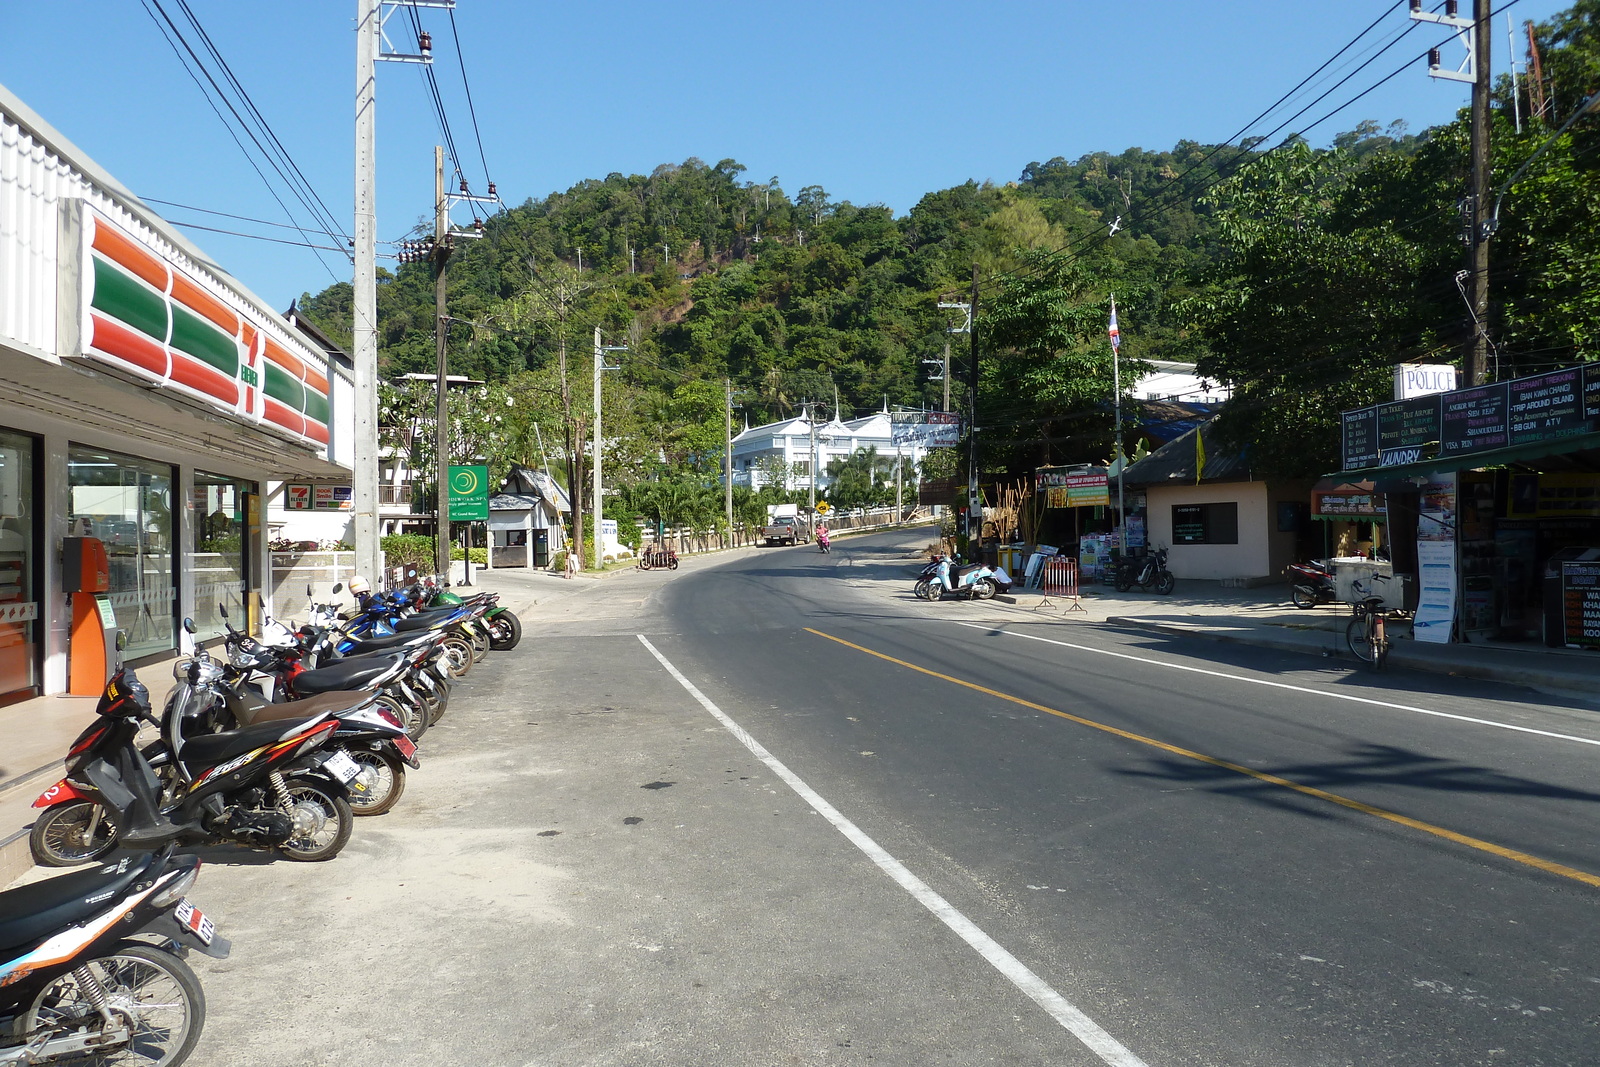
(256, 236)
(471, 110)
(173, 44)
(223, 214)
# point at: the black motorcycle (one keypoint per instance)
(75, 984)
(1147, 572)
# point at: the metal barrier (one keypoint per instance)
(1060, 579)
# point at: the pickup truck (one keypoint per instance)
(783, 530)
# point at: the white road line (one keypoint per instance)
(1085, 1029)
(1285, 685)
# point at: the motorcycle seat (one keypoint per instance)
(346, 674)
(207, 750)
(33, 911)
(430, 620)
(393, 643)
(251, 710)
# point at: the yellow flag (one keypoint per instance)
(1199, 454)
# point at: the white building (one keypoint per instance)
(785, 448)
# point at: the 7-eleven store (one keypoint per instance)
(146, 398)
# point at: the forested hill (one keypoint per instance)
(707, 273)
(1297, 276)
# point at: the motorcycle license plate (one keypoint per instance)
(342, 767)
(189, 916)
(406, 746)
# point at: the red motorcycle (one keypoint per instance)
(1311, 583)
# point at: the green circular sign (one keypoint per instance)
(464, 482)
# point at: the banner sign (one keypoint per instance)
(1363, 507)
(335, 498)
(1073, 487)
(1464, 422)
(927, 429)
(1580, 603)
(297, 497)
(1436, 561)
(469, 494)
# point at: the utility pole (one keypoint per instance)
(1478, 363)
(1121, 460)
(598, 508)
(965, 327)
(1473, 34)
(364, 488)
(974, 499)
(811, 420)
(727, 452)
(947, 374)
(364, 325)
(441, 331)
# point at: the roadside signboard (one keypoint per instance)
(469, 494)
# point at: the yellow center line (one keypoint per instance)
(1548, 866)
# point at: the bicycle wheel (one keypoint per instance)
(1357, 636)
(1379, 643)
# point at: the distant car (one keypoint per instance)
(784, 530)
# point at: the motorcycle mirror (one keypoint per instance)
(222, 609)
(308, 591)
(122, 640)
(338, 587)
(188, 628)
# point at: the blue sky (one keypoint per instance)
(876, 102)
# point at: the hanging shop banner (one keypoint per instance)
(1465, 422)
(1580, 603)
(927, 429)
(1436, 560)
(1073, 487)
(469, 494)
(141, 312)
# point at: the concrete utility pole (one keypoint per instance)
(1473, 34)
(727, 452)
(812, 421)
(598, 509)
(441, 406)
(947, 374)
(974, 500)
(364, 489)
(1478, 362)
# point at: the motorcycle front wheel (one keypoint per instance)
(923, 589)
(1166, 583)
(457, 655)
(1302, 597)
(70, 833)
(322, 822)
(154, 992)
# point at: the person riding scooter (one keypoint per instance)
(823, 539)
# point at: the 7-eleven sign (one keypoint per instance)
(297, 497)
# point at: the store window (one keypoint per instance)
(1205, 524)
(220, 556)
(127, 503)
(19, 605)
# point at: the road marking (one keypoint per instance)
(1085, 1029)
(1524, 858)
(1286, 685)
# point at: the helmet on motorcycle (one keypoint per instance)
(359, 585)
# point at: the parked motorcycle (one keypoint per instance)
(274, 785)
(1147, 572)
(75, 985)
(1311, 583)
(974, 580)
(505, 629)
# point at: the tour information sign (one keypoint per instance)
(1580, 602)
(469, 494)
(1464, 422)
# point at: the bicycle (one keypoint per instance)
(1366, 633)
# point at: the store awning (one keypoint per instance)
(1580, 453)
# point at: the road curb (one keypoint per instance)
(1399, 656)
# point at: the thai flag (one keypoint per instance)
(1116, 334)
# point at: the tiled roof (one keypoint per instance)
(1174, 462)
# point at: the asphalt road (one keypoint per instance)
(883, 831)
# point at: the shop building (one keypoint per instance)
(146, 398)
(1493, 501)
